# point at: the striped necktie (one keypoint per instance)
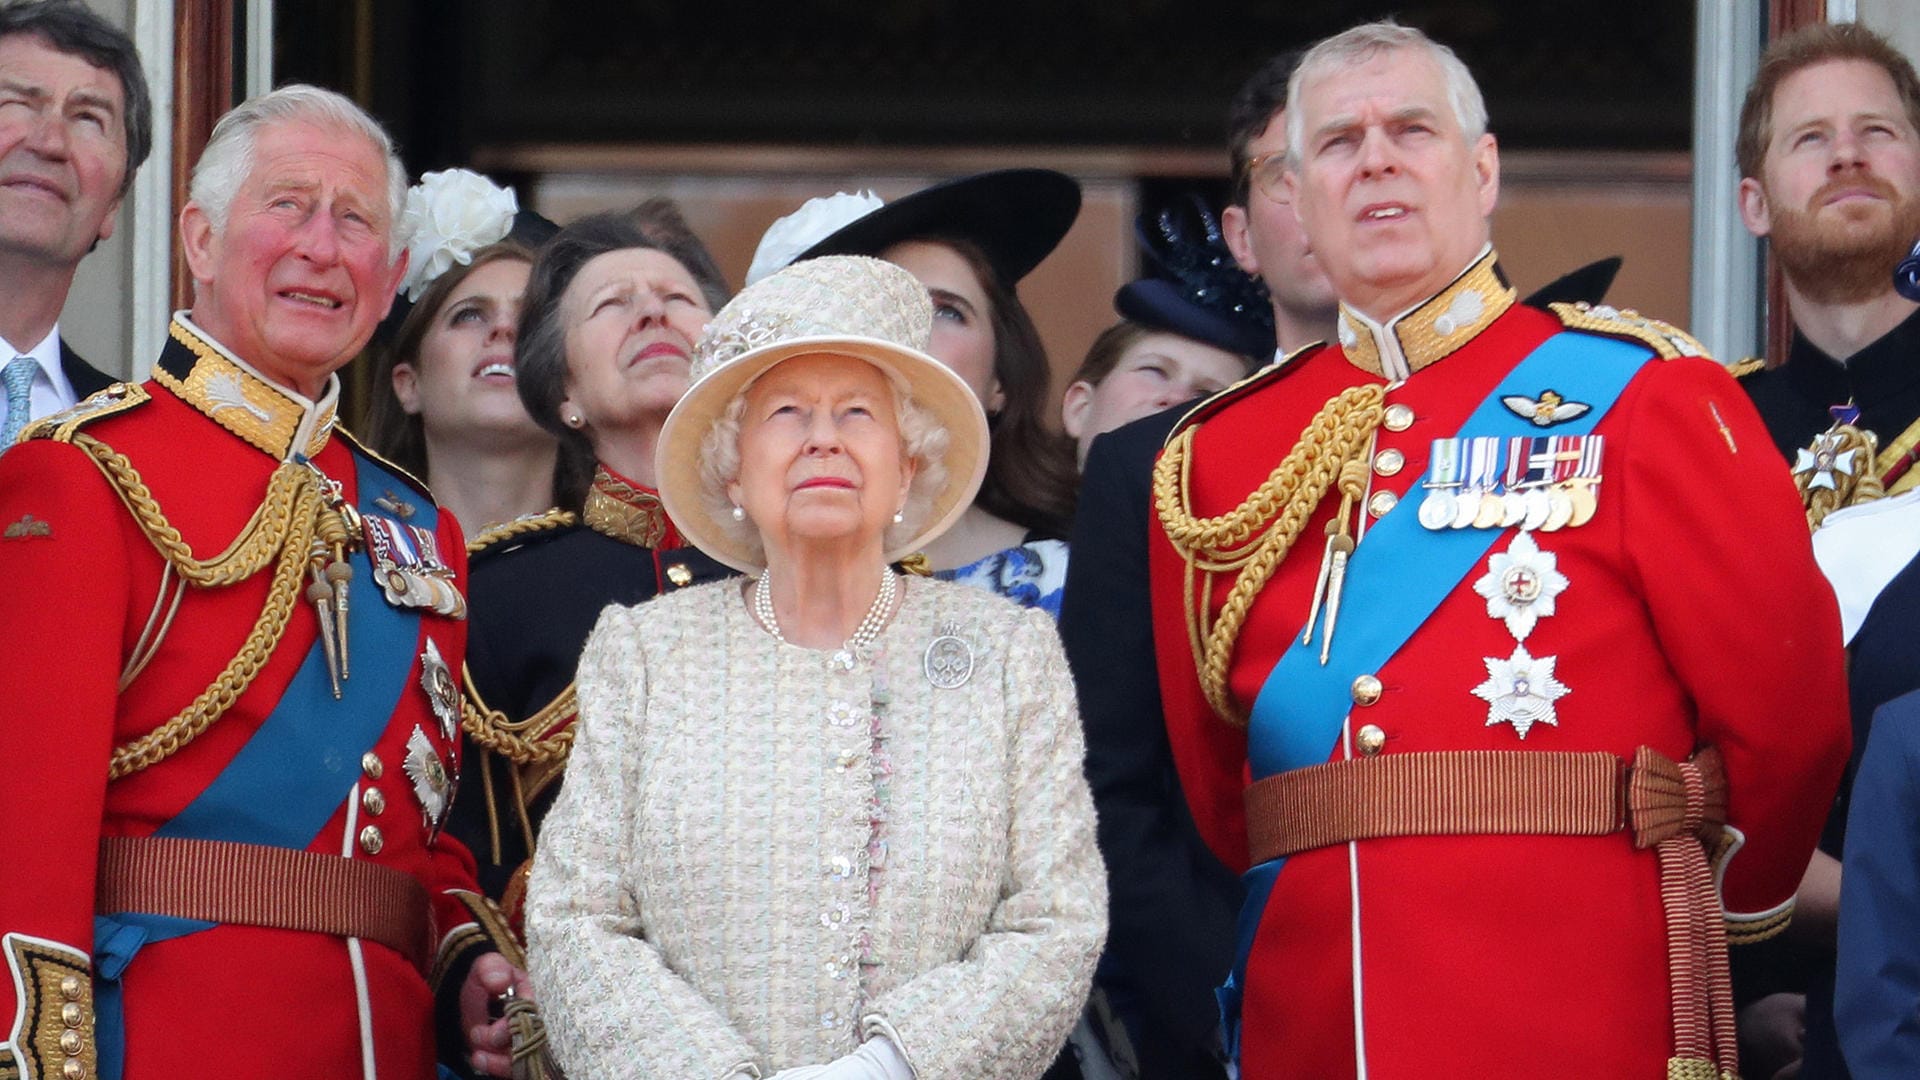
(18, 375)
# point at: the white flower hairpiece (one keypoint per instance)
(816, 220)
(449, 216)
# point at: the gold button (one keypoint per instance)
(1387, 462)
(1399, 417)
(679, 575)
(72, 1015)
(1371, 739)
(371, 841)
(1366, 690)
(70, 987)
(73, 1069)
(1382, 503)
(370, 764)
(373, 801)
(72, 1042)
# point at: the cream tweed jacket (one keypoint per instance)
(700, 905)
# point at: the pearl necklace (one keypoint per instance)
(863, 635)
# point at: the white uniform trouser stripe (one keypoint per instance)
(1353, 886)
(368, 1071)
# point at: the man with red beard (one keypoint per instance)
(1829, 152)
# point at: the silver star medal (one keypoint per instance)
(948, 661)
(1823, 459)
(1520, 585)
(1521, 690)
(431, 784)
(442, 692)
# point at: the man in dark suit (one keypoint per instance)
(75, 124)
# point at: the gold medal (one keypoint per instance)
(1581, 494)
(1492, 510)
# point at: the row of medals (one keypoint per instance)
(1544, 482)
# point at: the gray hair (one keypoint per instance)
(1350, 48)
(228, 159)
(922, 438)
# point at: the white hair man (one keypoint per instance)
(1435, 634)
(232, 680)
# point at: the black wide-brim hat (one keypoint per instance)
(1016, 217)
(1160, 304)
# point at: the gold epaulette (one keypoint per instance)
(115, 399)
(1740, 369)
(1220, 399)
(524, 525)
(353, 440)
(1667, 341)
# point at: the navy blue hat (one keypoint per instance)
(1197, 290)
(1016, 217)
(1589, 283)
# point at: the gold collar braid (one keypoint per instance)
(296, 518)
(1433, 329)
(235, 396)
(624, 510)
(1277, 511)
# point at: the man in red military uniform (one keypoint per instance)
(1464, 653)
(228, 638)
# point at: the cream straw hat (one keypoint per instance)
(841, 305)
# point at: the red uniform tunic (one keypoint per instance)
(1693, 615)
(82, 589)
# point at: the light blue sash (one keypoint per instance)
(1396, 578)
(1401, 571)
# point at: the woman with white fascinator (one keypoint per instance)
(829, 823)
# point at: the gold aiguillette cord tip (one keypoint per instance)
(321, 597)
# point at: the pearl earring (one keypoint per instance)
(899, 517)
(573, 420)
(739, 514)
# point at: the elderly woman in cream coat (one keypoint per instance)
(830, 824)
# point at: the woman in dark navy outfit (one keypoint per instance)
(611, 314)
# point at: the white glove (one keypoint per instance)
(803, 1072)
(877, 1059)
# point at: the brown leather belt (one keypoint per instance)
(257, 885)
(1672, 807)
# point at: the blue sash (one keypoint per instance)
(1398, 575)
(1401, 571)
(292, 774)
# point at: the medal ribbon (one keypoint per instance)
(1402, 572)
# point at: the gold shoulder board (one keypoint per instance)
(1665, 339)
(118, 398)
(1740, 369)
